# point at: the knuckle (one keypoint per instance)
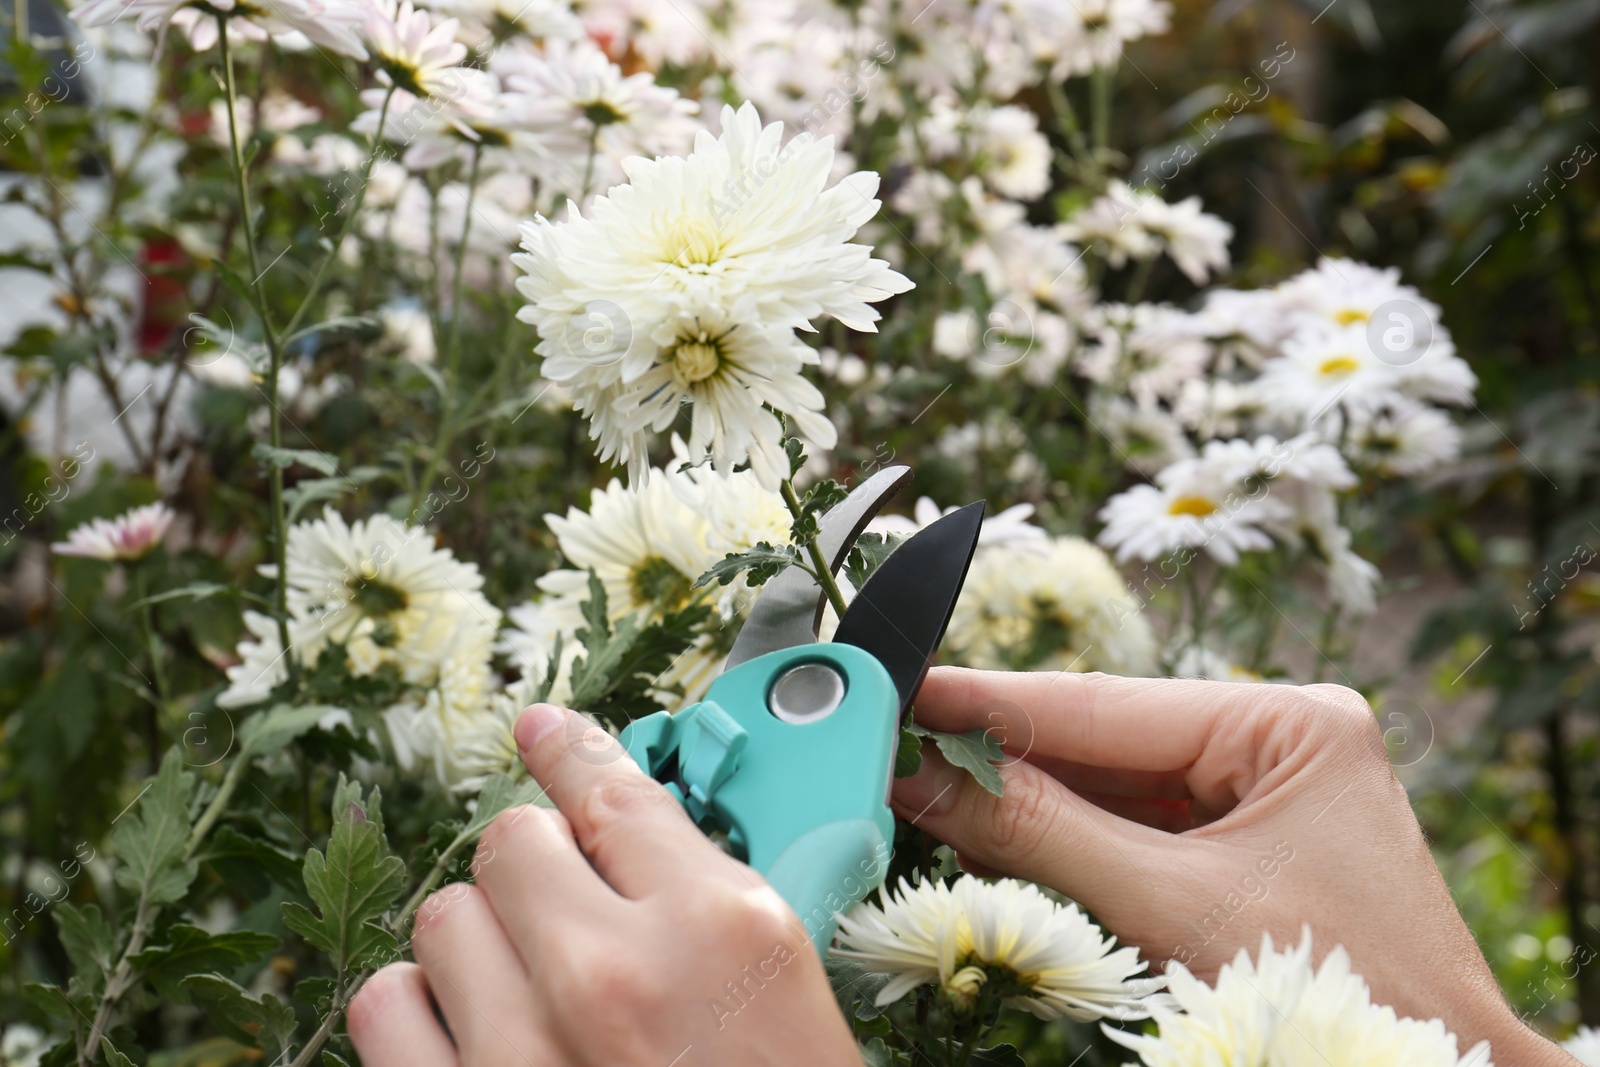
(1345, 715)
(618, 797)
(501, 833)
(611, 975)
(1020, 818)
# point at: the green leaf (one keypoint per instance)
(763, 561)
(52, 1001)
(192, 591)
(113, 1056)
(190, 950)
(271, 730)
(90, 942)
(151, 839)
(908, 757)
(333, 1059)
(499, 793)
(352, 885)
(284, 458)
(999, 1056)
(338, 322)
(867, 555)
(316, 490)
(877, 1054)
(796, 453)
(974, 752)
(856, 988)
(267, 1023)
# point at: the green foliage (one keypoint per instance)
(152, 841)
(622, 660)
(974, 752)
(352, 885)
(759, 564)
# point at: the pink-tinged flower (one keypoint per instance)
(128, 536)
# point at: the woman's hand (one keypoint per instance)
(612, 932)
(1190, 817)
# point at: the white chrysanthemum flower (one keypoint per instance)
(1149, 351)
(1195, 503)
(686, 285)
(1042, 956)
(462, 727)
(1201, 661)
(1196, 241)
(1003, 145)
(262, 665)
(131, 535)
(1280, 1011)
(1584, 1046)
(483, 20)
(1257, 317)
(1401, 438)
(332, 24)
(1217, 407)
(1008, 530)
(575, 92)
(413, 51)
(658, 31)
(1146, 437)
(382, 591)
(1322, 368)
(23, 1045)
(1101, 29)
(1065, 608)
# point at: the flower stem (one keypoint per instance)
(1100, 101)
(349, 220)
(819, 566)
(280, 540)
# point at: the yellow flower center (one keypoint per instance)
(1338, 366)
(695, 361)
(1350, 316)
(1198, 506)
(691, 241)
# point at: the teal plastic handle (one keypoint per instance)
(806, 804)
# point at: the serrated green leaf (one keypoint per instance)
(974, 752)
(763, 560)
(877, 1054)
(908, 757)
(151, 839)
(190, 950)
(269, 731)
(499, 793)
(796, 453)
(856, 988)
(333, 1059)
(284, 458)
(52, 1000)
(352, 885)
(266, 1023)
(317, 490)
(90, 942)
(867, 555)
(315, 993)
(113, 1056)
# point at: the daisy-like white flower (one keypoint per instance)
(1401, 438)
(1201, 661)
(1063, 608)
(1003, 144)
(382, 591)
(1146, 436)
(1096, 36)
(1111, 222)
(1150, 351)
(262, 665)
(129, 536)
(414, 52)
(687, 283)
(332, 24)
(1196, 241)
(574, 92)
(1008, 530)
(1195, 503)
(1041, 956)
(1584, 1046)
(1279, 1011)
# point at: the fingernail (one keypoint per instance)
(931, 791)
(537, 721)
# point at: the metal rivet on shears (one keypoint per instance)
(806, 693)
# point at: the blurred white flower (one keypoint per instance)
(1195, 503)
(262, 665)
(1400, 438)
(1280, 1010)
(129, 536)
(409, 329)
(1125, 223)
(333, 24)
(686, 285)
(1584, 1046)
(1149, 350)
(1095, 33)
(1044, 957)
(23, 1045)
(1009, 529)
(1197, 242)
(1146, 437)
(413, 51)
(1200, 661)
(1321, 368)
(1063, 608)
(383, 593)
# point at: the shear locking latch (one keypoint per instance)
(709, 745)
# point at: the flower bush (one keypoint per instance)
(385, 367)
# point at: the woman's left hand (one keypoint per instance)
(610, 932)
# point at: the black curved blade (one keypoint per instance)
(901, 613)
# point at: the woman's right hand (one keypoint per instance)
(1191, 817)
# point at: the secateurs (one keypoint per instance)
(791, 753)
